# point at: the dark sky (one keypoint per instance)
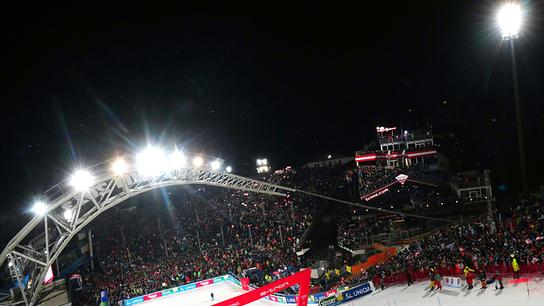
(81, 84)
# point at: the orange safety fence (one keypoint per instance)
(374, 260)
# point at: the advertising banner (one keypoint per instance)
(152, 296)
(204, 283)
(329, 301)
(450, 281)
(136, 300)
(291, 299)
(356, 292)
(183, 288)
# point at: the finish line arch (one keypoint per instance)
(35, 248)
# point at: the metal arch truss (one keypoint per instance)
(34, 249)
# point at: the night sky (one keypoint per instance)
(81, 85)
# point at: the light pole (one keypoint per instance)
(509, 19)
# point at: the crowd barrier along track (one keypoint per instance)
(342, 296)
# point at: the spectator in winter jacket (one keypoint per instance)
(469, 276)
(498, 279)
(409, 276)
(483, 279)
(438, 281)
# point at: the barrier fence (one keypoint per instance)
(506, 271)
(353, 291)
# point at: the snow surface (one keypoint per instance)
(418, 295)
(399, 295)
(201, 296)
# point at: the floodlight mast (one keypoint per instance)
(510, 22)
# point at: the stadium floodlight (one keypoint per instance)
(228, 169)
(509, 20)
(119, 166)
(216, 165)
(151, 162)
(176, 160)
(81, 180)
(10, 264)
(67, 214)
(39, 208)
(262, 165)
(198, 161)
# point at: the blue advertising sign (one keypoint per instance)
(187, 287)
(290, 299)
(357, 292)
(135, 300)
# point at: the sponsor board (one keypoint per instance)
(135, 300)
(454, 282)
(291, 299)
(329, 301)
(356, 292)
(152, 296)
(183, 288)
(187, 287)
(204, 283)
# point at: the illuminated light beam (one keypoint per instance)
(81, 180)
(151, 162)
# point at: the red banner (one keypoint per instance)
(152, 296)
(301, 278)
(204, 283)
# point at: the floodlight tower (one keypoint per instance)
(509, 20)
(262, 165)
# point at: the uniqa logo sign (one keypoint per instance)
(357, 292)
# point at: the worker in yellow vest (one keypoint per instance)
(515, 266)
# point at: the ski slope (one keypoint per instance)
(201, 296)
(418, 295)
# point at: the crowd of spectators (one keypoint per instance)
(519, 235)
(373, 177)
(355, 232)
(201, 232)
(183, 236)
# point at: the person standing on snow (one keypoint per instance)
(409, 276)
(498, 279)
(483, 279)
(431, 284)
(382, 279)
(515, 266)
(438, 281)
(469, 276)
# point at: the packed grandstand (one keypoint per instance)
(409, 230)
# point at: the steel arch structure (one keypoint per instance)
(35, 248)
